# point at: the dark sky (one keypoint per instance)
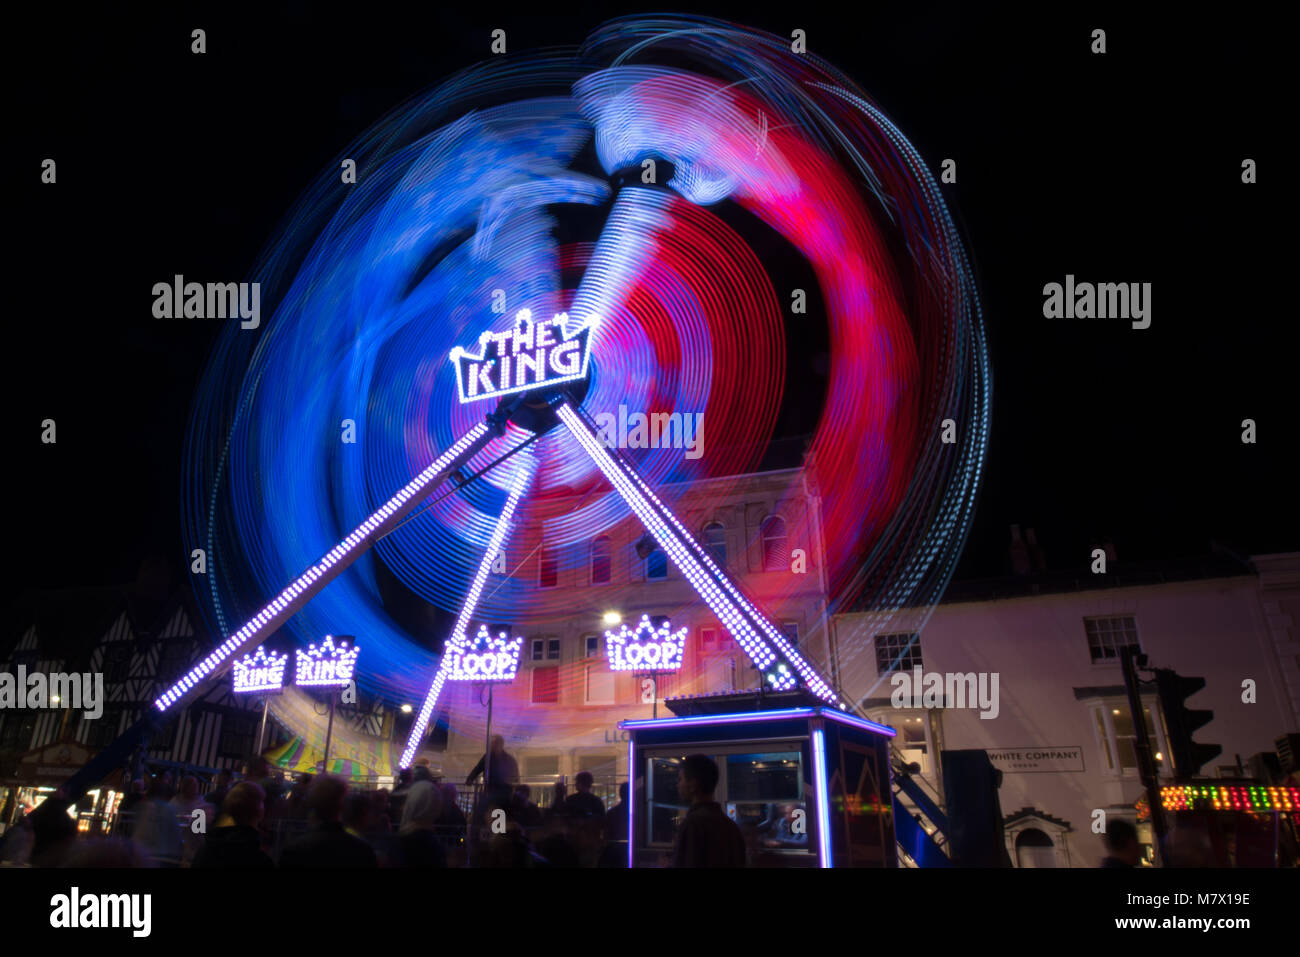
(1123, 168)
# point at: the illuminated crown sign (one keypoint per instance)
(327, 665)
(485, 658)
(533, 355)
(647, 650)
(259, 672)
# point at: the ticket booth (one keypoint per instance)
(808, 786)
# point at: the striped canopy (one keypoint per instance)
(354, 762)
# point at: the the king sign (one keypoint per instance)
(531, 356)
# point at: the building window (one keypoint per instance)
(546, 685)
(714, 638)
(1106, 636)
(900, 652)
(1117, 737)
(539, 649)
(19, 726)
(715, 543)
(656, 565)
(540, 766)
(600, 561)
(591, 646)
(553, 649)
(117, 662)
(103, 731)
(1034, 849)
(173, 658)
(600, 685)
(548, 568)
(237, 735)
(776, 551)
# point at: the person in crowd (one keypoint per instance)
(380, 818)
(220, 788)
(417, 843)
(157, 830)
(257, 770)
(616, 817)
(235, 842)
(499, 769)
(326, 844)
(707, 837)
(54, 834)
(295, 805)
(527, 813)
(582, 803)
(1122, 847)
(398, 796)
(129, 808)
(184, 804)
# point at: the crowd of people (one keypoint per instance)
(320, 821)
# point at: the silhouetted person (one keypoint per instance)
(184, 804)
(220, 788)
(526, 812)
(156, 829)
(235, 841)
(582, 803)
(417, 843)
(707, 837)
(499, 769)
(616, 817)
(1122, 848)
(127, 810)
(326, 844)
(396, 799)
(54, 834)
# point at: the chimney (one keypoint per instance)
(1037, 559)
(1019, 553)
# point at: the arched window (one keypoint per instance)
(1034, 849)
(715, 543)
(776, 553)
(600, 561)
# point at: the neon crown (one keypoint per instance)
(485, 658)
(647, 649)
(260, 672)
(531, 356)
(328, 664)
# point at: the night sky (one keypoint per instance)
(1117, 168)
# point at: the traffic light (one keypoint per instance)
(1181, 722)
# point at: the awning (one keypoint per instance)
(357, 761)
